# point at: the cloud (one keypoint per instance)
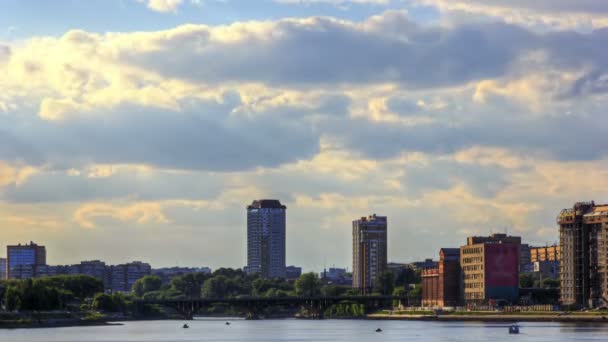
(140, 213)
(163, 5)
(561, 14)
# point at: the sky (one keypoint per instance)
(141, 129)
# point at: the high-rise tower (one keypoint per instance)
(266, 238)
(369, 251)
(583, 231)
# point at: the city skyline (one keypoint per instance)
(139, 129)
(270, 203)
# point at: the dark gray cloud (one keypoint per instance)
(547, 135)
(389, 48)
(482, 181)
(204, 136)
(592, 83)
(594, 7)
(327, 51)
(153, 185)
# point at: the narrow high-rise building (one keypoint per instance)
(583, 236)
(369, 251)
(28, 255)
(266, 236)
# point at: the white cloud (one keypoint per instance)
(163, 5)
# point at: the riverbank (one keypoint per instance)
(493, 317)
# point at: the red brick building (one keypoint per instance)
(441, 285)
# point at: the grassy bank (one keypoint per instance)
(599, 317)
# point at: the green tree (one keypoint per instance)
(384, 283)
(550, 283)
(352, 292)
(407, 276)
(116, 302)
(216, 287)
(147, 284)
(526, 280)
(308, 285)
(399, 292)
(81, 286)
(12, 298)
(188, 285)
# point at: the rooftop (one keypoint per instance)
(266, 203)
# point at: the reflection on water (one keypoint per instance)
(304, 330)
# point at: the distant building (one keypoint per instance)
(369, 251)
(168, 273)
(547, 268)
(293, 272)
(421, 265)
(441, 285)
(523, 250)
(397, 267)
(549, 253)
(266, 235)
(583, 247)
(490, 272)
(525, 254)
(124, 276)
(3, 274)
(494, 238)
(24, 255)
(333, 273)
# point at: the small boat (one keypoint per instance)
(227, 323)
(378, 330)
(514, 329)
(185, 326)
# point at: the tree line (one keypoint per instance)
(80, 292)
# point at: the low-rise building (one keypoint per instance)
(293, 272)
(24, 255)
(124, 276)
(490, 272)
(168, 273)
(548, 253)
(421, 265)
(3, 266)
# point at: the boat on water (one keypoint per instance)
(185, 326)
(514, 329)
(378, 330)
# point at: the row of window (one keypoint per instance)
(472, 268)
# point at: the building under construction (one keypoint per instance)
(584, 254)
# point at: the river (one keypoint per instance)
(304, 330)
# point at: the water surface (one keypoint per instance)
(303, 330)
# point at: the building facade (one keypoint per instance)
(549, 253)
(266, 234)
(168, 273)
(583, 247)
(293, 272)
(3, 267)
(24, 255)
(369, 251)
(441, 284)
(124, 276)
(490, 272)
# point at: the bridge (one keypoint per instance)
(315, 306)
